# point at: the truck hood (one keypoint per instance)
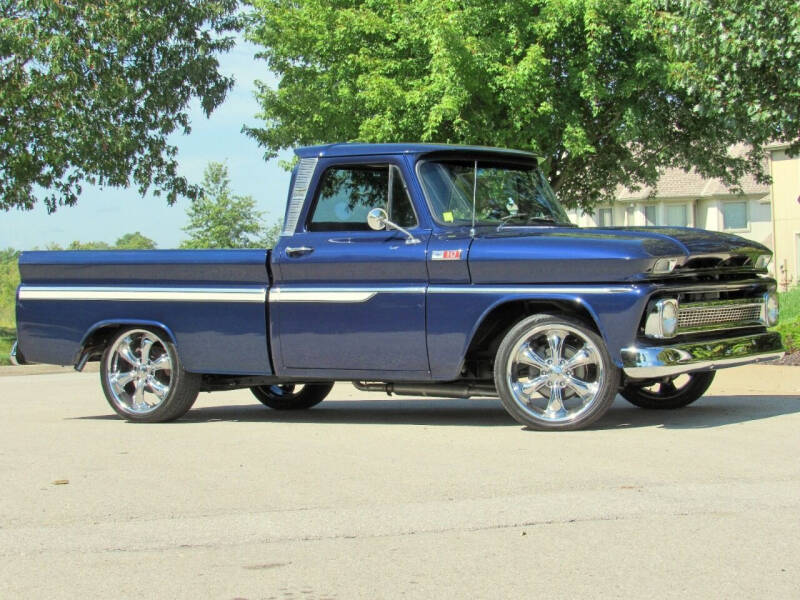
(572, 255)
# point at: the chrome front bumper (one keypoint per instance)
(646, 362)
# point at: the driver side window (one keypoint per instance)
(347, 193)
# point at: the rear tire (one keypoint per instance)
(292, 396)
(664, 394)
(143, 379)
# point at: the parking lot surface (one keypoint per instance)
(372, 497)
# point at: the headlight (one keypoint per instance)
(662, 319)
(762, 262)
(771, 310)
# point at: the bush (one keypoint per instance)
(9, 280)
(789, 325)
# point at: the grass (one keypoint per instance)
(790, 304)
(7, 336)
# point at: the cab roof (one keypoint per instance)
(360, 149)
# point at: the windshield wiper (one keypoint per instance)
(528, 220)
(508, 218)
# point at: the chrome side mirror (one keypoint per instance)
(378, 220)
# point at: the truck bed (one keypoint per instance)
(212, 303)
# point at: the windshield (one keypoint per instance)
(507, 193)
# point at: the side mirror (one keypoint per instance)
(376, 219)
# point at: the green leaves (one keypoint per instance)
(740, 58)
(609, 91)
(134, 241)
(89, 92)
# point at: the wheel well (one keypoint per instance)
(479, 359)
(96, 342)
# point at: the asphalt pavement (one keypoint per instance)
(366, 496)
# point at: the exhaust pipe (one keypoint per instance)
(17, 358)
(429, 390)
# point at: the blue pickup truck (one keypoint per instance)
(425, 270)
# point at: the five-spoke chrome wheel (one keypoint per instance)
(142, 377)
(554, 372)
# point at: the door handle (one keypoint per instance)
(299, 251)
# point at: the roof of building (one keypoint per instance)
(677, 183)
(359, 149)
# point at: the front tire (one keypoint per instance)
(670, 392)
(292, 396)
(554, 373)
(143, 379)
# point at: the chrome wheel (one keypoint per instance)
(286, 391)
(667, 393)
(554, 372)
(138, 371)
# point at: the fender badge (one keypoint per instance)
(446, 254)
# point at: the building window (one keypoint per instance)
(676, 215)
(605, 217)
(651, 215)
(734, 215)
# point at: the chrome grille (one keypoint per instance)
(718, 315)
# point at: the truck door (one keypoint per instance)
(345, 297)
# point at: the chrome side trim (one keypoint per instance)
(663, 361)
(131, 294)
(336, 294)
(530, 289)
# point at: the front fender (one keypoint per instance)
(456, 313)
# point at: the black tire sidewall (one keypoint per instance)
(608, 389)
(311, 395)
(691, 392)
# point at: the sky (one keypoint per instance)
(105, 214)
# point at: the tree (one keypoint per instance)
(134, 241)
(743, 57)
(78, 245)
(271, 235)
(91, 91)
(129, 241)
(220, 219)
(589, 85)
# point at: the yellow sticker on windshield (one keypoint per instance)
(447, 216)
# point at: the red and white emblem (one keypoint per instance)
(446, 254)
